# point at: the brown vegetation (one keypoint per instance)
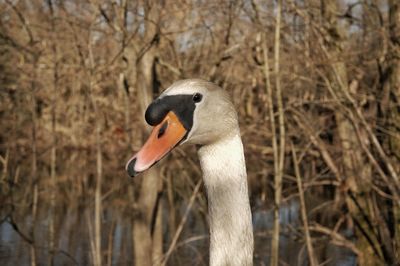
(317, 88)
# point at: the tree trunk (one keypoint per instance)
(279, 165)
(391, 101)
(34, 174)
(357, 174)
(389, 120)
(147, 236)
(53, 160)
(147, 225)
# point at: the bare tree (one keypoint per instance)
(77, 76)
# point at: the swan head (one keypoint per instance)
(190, 111)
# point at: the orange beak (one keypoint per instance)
(163, 138)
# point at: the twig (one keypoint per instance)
(339, 240)
(310, 250)
(182, 223)
(318, 143)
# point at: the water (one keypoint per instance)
(73, 245)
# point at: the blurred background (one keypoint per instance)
(316, 84)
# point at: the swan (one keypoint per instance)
(195, 111)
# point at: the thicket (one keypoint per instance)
(317, 88)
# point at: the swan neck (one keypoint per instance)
(225, 179)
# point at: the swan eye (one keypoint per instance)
(197, 97)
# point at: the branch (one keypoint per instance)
(182, 223)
